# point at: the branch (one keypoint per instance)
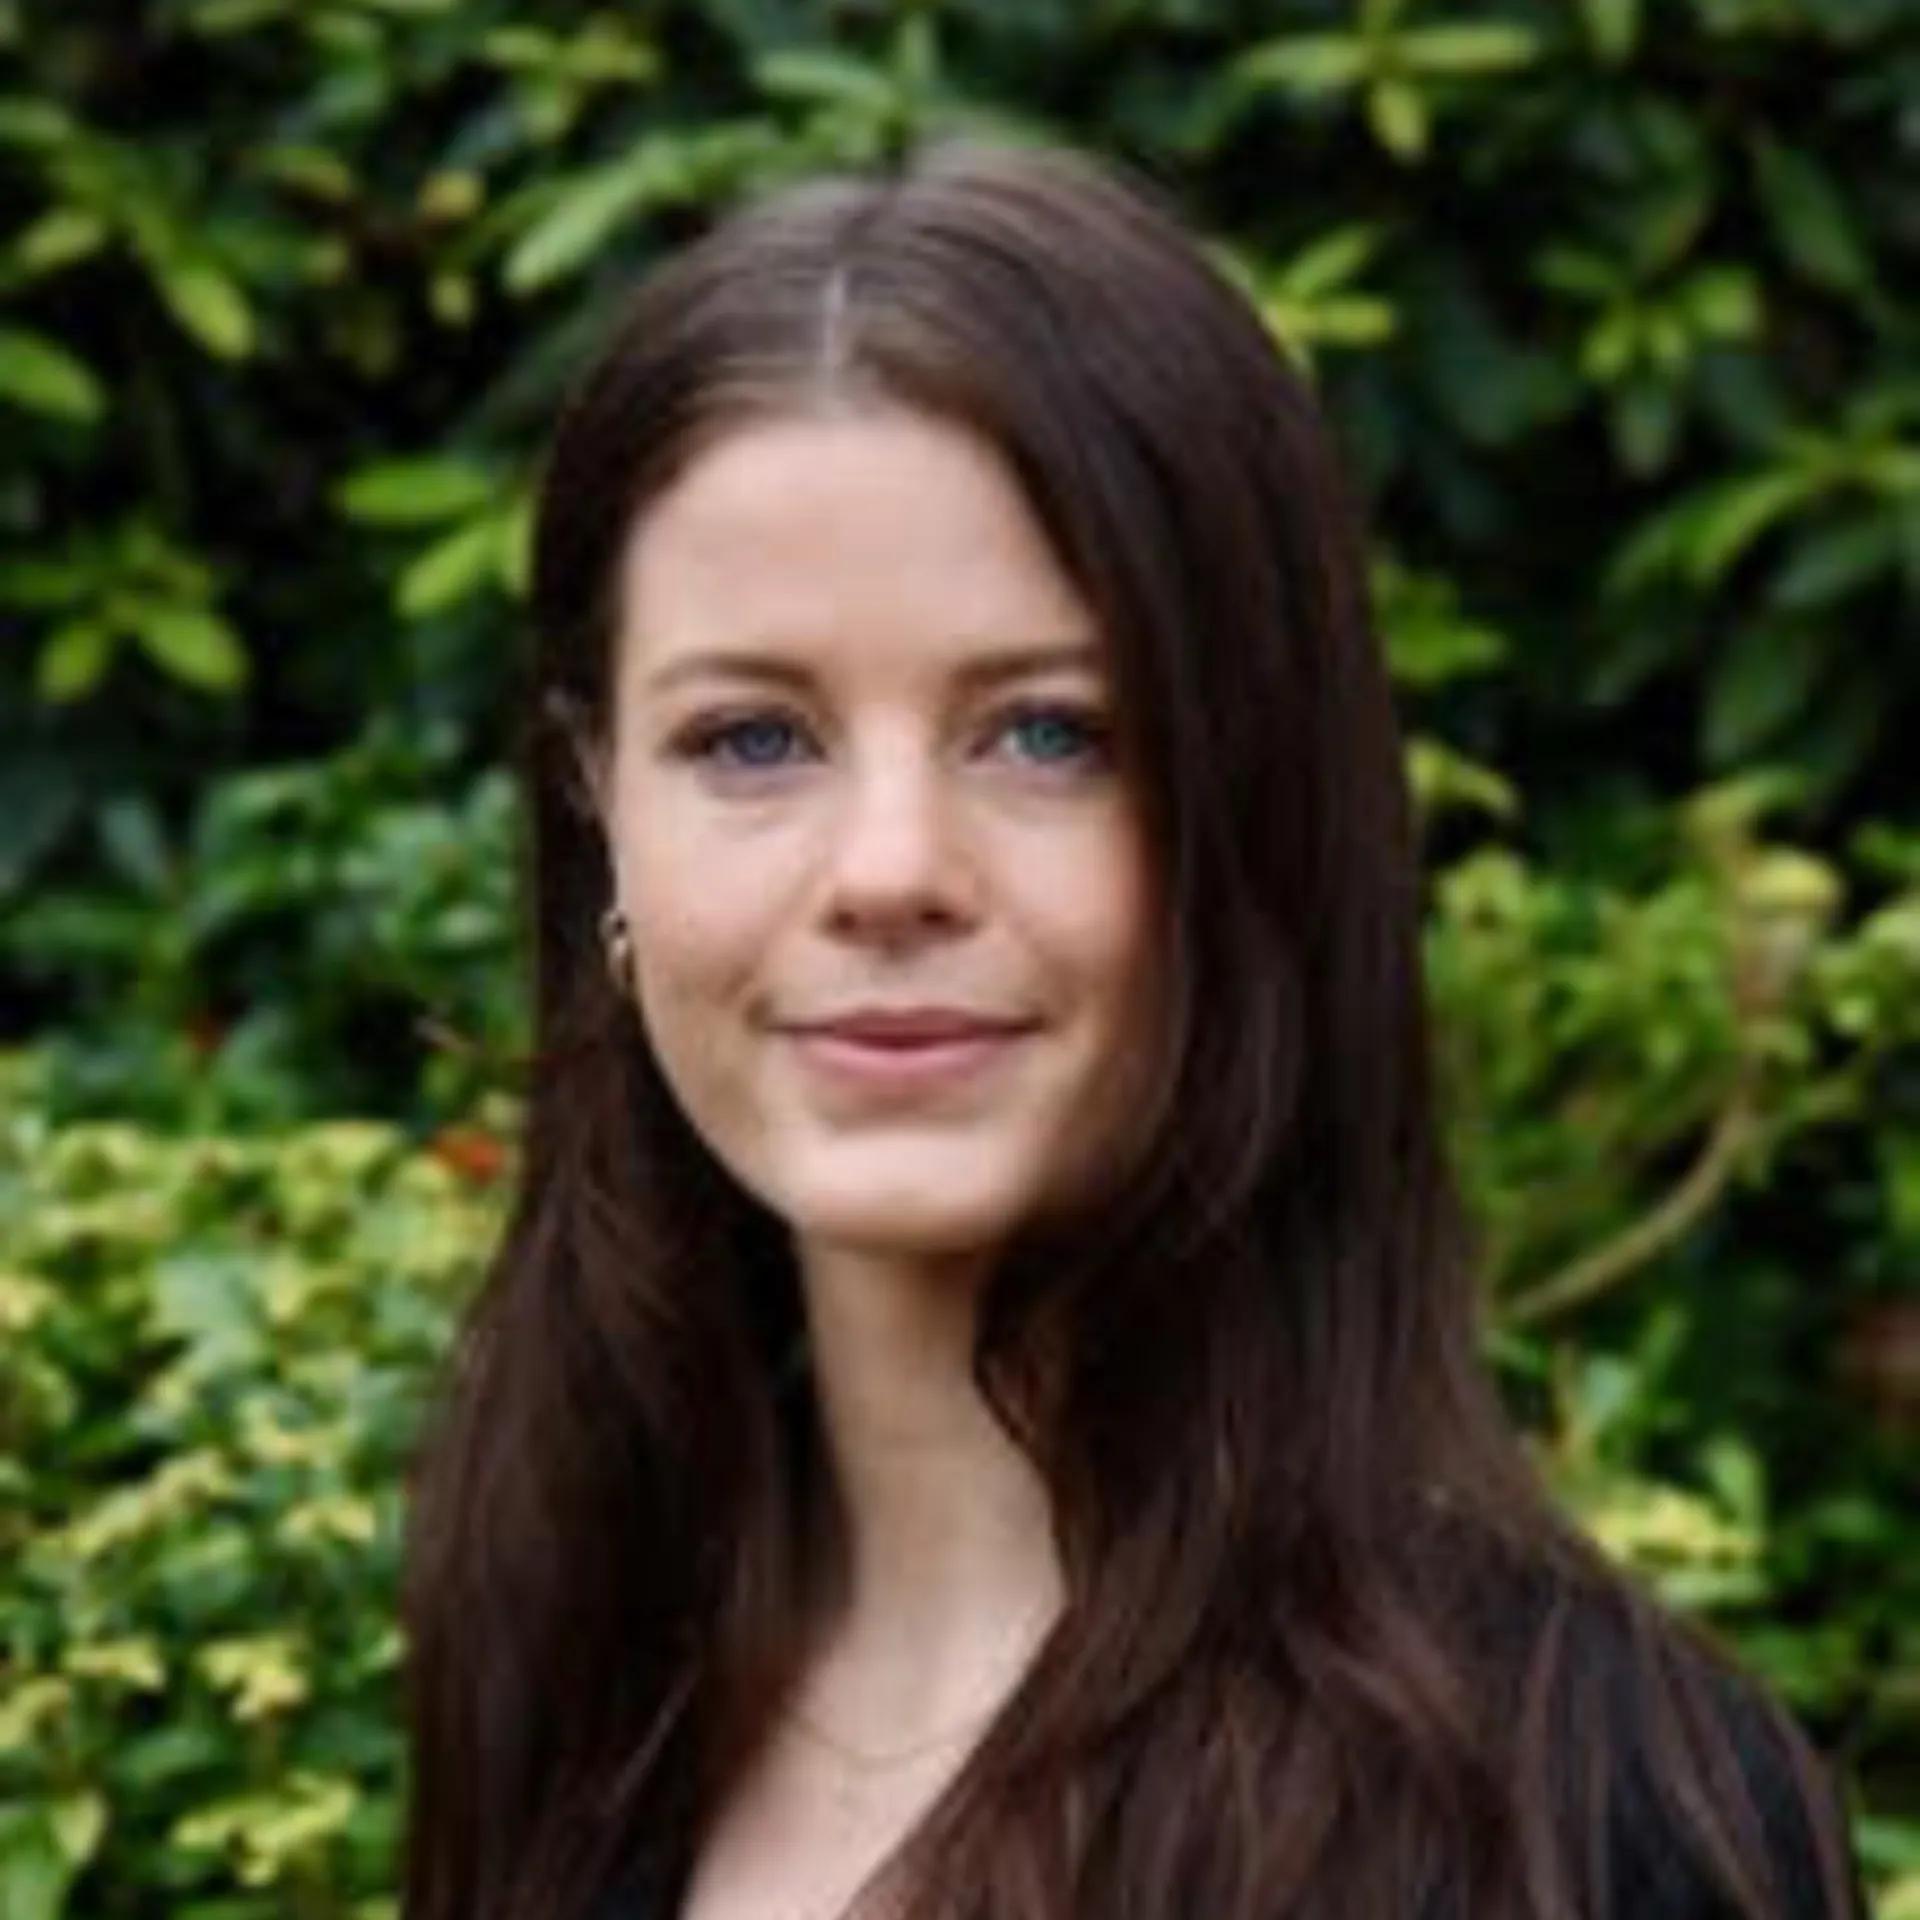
(1615, 1260)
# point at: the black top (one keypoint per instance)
(1651, 1876)
(1650, 1870)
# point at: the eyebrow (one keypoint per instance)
(773, 669)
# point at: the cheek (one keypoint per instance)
(679, 884)
(694, 944)
(692, 976)
(1094, 911)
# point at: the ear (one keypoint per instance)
(581, 751)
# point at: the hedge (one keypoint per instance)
(1615, 307)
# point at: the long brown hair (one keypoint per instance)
(1326, 1650)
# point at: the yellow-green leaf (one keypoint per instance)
(74, 660)
(45, 378)
(78, 1821)
(1445, 781)
(211, 307)
(1398, 115)
(450, 569)
(193, 644)
(34, 1877)
(813, 73)
(1613, 26)
(586, 213)
(57, 240)
(408, 493)
(1473, 48)
(1304, 63)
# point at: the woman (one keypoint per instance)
(977, 1411)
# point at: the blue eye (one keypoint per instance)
(1057, 737)
(752, 743)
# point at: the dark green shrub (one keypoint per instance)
(1614, 305)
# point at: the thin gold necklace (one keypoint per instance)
(865, 1760)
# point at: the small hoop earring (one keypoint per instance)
(616, 942)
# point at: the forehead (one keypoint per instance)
(833, 528)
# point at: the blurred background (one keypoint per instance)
(1616, 308)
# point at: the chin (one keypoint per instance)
(905, 1232)
(900, 1213)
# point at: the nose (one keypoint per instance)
(897, 869)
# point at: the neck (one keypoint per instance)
(951, 1569)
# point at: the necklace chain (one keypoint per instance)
(865, 1760)
(869, 1761)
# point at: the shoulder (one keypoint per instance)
(1679, 1788)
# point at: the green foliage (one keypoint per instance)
(384, 870)
(1615, 309)
(217, 1352)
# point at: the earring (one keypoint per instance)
(616, 942)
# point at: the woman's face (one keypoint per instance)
(884, 877)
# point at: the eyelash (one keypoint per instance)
(714, 742)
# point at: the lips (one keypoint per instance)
(909, 1027)
(895, 1053)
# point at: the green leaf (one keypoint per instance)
(1343, 323)
(1723, 302)
(1705, 533)
(41, 794)
(135, 841)
(210, 306)
(1735, 1474)
(47, 379)
(1430, 641)
(1829, 565)
(163, 1755)
(314, 171)
(514, 561)
(915, 56)
(811, 73)
(1765, 676)
(1431, 649)
(1485, 47)
(1310, 63)
(586, 212)
(1810, 220)
(57, 239)
(207, 1300)
(418, 492)
(74, 660)
(1611, 346)
(606, 52)
(34, 1873)
(1444, 781)
(451, 569)
(1301, 302)
(1329, 261)
(1578, 273)
(1613, 26)
(1735, 515)
(78, 1822)
(193, 644)
(1398, 115)
(33, 123)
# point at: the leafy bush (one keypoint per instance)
(1615, 308)
(217, 1352)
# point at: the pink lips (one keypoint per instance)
(906, 1049)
